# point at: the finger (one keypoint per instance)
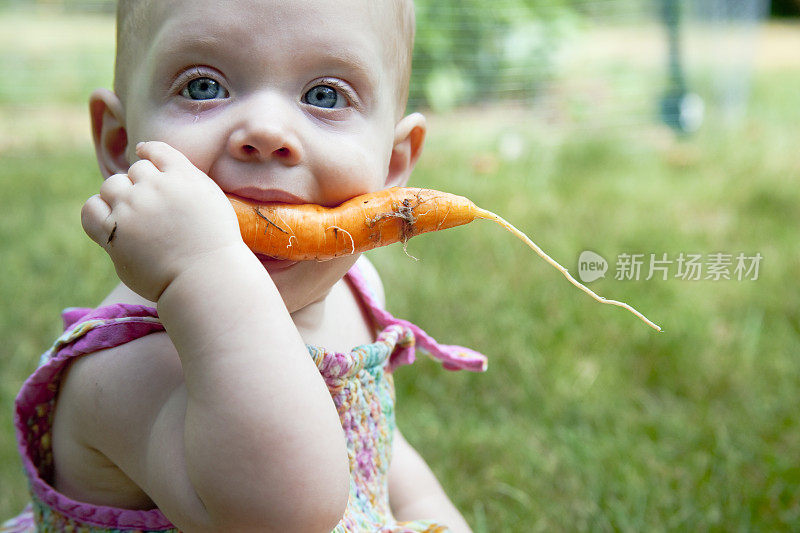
(115, 188)
(141, 170)
(97, 221)
(163, 156)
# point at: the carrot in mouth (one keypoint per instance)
(312, 232)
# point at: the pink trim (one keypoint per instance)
(452, 357)
(72, 315)
(100, 515)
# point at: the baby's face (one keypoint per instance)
(274, 100)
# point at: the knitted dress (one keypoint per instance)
(360, 383)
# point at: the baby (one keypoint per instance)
(195, 397)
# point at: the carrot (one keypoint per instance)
(308, 231)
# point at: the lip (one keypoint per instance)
(267, 195)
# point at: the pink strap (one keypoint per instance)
(452, 357)
(86, 331)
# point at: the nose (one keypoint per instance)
(267, 131)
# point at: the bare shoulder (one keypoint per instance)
(106, 408)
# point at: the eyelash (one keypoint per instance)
(343, 88)
(183, 79)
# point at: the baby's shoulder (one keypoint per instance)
(120, 380)
(107, 404)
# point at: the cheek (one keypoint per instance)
(193, 137)
(354, 165)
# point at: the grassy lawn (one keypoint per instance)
(586, 418)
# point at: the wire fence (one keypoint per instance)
(598, 64)
(582, 63)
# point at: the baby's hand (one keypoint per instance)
(159, 219)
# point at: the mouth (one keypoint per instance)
(256, 194)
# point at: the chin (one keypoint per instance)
(303, 283)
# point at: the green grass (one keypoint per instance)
(54, 58)
(586, 418)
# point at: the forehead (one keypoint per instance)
(365, 26)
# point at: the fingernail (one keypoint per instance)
(139, 145)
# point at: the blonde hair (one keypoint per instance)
(403, 49)
(133, 17)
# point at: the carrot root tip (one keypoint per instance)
(488, 215)
(405, 250)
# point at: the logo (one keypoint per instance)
(591, 266)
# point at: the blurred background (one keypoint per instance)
(661, 133)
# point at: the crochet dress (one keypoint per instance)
(360, 383)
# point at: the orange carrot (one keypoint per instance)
(308, 231)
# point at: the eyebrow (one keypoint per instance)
(169, 46)
(342, 59)
(355, 65)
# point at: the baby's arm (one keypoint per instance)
(262, 445)
(414, 491)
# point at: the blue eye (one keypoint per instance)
(324, 96)
(204, 89)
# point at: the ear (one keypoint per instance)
(409, 136)
(108, 132)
